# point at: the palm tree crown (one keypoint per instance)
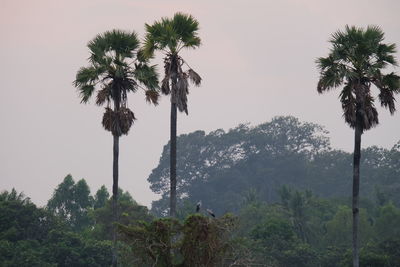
(170, 36)
(118, 67)
(355, 60)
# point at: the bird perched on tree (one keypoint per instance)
(210, 212)
(198, 206)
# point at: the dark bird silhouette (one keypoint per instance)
(210, 212)
(198, 206)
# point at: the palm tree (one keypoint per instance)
(355, 62)
(170, 36)
(116, 67)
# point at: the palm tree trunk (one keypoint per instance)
(356, 189)
(115, 199)
(172, 211)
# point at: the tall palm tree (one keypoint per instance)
(116, 67)
(355, 62)
(171, 36)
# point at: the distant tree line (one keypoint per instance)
(219, 167)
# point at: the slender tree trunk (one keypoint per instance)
(172, 167)
(356, 189)
(115, 199)
(172, 211)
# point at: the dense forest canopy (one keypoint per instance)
(300, 229)
(220, 167)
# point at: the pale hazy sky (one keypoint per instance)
(256, 61)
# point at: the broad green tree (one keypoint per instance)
(71, 202)
(101, 197)
(116, 67)
(355, 63)
(171, 36)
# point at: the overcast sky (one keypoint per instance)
(257, 61)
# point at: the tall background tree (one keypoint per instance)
(116, 67)
(71, 201)
(356, 61)
(171, 36)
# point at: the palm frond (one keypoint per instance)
(86, 91)
(388, 85)
(349, 106)
(173, 34)
(142, 57)
(182, 90)
(126, 119)
(330, 78)
(165, 88)
(186, 27)
(385, 53)
(120, 42)
(103, 96)
(193, 42)
(109, 120)
(369, 113)
(88, 75)
(152, 96)
(374, 34)
(194, 77)
(122, 85)
(366, 109)
(165, 83)
(157, 36)
(149, 45)
(392, 82)
(118, 122)
(147, 75)
(387, 100)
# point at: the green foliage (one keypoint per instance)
(339, 229)
(277, 244)
(261, 235)
(20, 219)
(24, 253)
(72, 201)
(31, 236)
(69, 249)
(172, 34)
(274, 238)
(101, 197)
(129, 212)
(388, 222)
